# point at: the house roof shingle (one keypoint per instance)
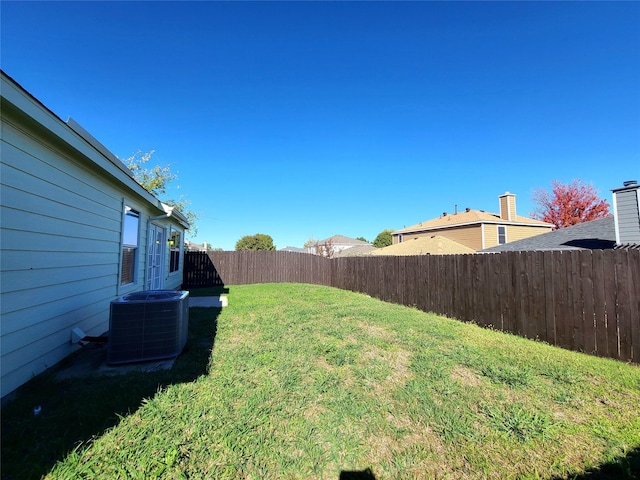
(342, 240)
(356, 251)
(434, 245)
(593, 235)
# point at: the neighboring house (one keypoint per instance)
(478, 229)
(330, 247)
(357, 251)
(294, 249)
(195, 247)
(77, 231)
(621, 229)
(593, 235)
(433, 245)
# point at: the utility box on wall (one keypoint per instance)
(148, 325)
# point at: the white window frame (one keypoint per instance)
(505, 234)
(136, 253)
(179, 249)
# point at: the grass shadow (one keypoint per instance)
(623, 468)
(214, 291)
(365, 474)
(74, 410)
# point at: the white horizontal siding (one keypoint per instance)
(51, 284)
(60, 253)
(87, 316)
(62, 196)
(30, 366)
(21, 260)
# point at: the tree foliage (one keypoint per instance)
(312, 242)
(323, 248)
(156, 180)
(326, 249)
(384, 238)
(569, 204)
(259, 241)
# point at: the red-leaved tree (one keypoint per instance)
(569, 204)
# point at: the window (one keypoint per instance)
(129, 245)
(174, 245)
(502, 234)
(399, 238)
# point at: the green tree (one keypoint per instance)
(312, 242)
(362, 239)
(383, 239)
(155, 180)
(259, 241)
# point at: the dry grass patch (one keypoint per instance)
(465, 376)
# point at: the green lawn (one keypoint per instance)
(307, 382)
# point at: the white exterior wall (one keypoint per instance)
(61, 220)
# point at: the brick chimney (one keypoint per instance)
(508, 206)
(626, 212)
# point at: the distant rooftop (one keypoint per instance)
(594, 235)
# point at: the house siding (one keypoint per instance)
(472, 235)
(490, 235)
(627, 216)
(60, 245)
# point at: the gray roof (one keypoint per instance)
(357, 251)
(342, 240)
(594, 235)
(294, 249)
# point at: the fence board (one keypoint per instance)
(577, 311)
(492, 283)
(588, 317)
(599, 304)
(520, 293)
(535, 321)
(549, 295)
(561, 312)
(611, 321)
(634, 269)
(623, 304)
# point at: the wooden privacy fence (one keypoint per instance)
(581, 300)
(207, 269)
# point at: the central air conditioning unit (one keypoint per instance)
(148, 325)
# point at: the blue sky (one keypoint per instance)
(308, 119)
